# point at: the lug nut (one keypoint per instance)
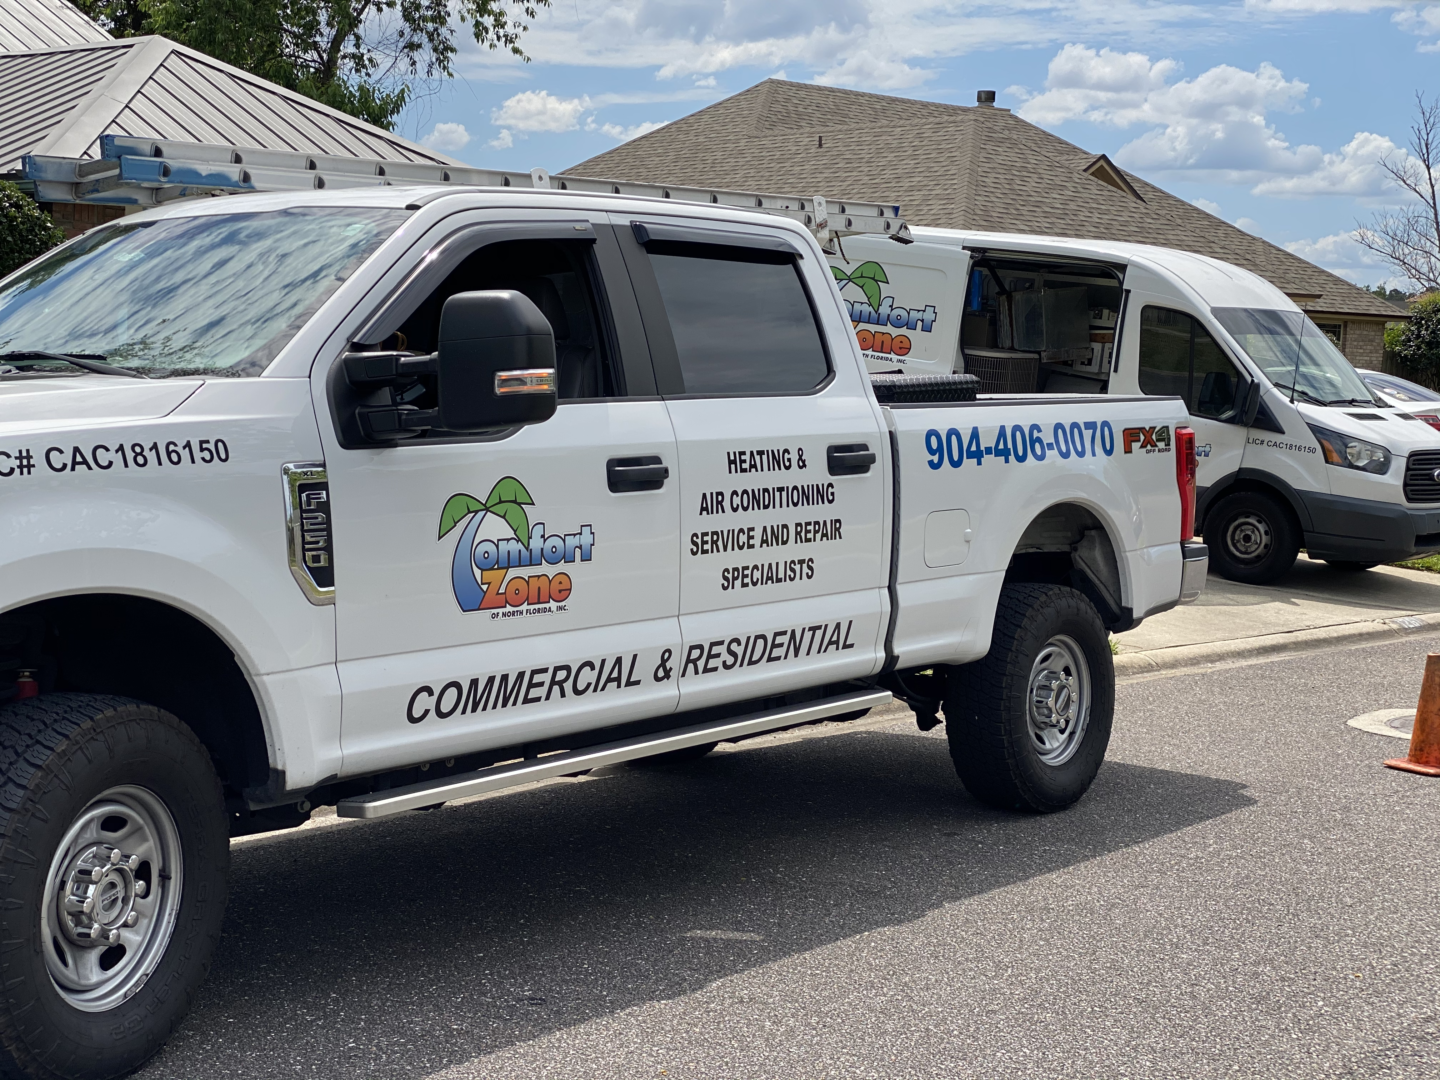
(115, 856)
(132, 918)
(141, 889)
(97, 873)
(133, 861)
(89, 906)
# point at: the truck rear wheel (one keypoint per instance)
(113, 852)
(1251, 537)
(1029, 723)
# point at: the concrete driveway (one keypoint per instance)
(1311, 606)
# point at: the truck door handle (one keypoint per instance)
(636, 473)
(848, 459)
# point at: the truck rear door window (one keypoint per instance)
(741, 319)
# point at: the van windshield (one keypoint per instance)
(214, 294)
(1295, 355)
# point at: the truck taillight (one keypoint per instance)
(1429, 418)
(1186, 466)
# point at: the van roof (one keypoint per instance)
(1214, 282)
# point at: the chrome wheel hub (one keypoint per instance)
(1248, 537)
(111, 898)
(1059, 699)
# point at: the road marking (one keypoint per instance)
(1393, 722)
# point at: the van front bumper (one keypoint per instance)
(1360, 530)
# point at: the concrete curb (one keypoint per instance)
(1240, 650)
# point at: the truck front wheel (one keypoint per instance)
(1251, 537)
(113, 852)
(1029, 723)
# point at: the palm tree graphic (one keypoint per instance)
(507, 499)
(867, 277)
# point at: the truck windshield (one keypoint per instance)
(214, 294)
(1295, 355)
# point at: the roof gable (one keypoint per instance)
(965, 167)
(61, 101)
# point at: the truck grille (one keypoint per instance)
(1420, 483)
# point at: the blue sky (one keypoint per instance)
(1270, 113)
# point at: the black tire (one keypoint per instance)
(988, 704)
(58, 754)
(1252, 538)
(1350, 566)
(677, 757)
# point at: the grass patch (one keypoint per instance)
(1429, 563)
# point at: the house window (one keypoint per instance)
(1334, 331)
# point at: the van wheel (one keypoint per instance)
(113, 853)
(1251, 538)
(1349, 565)
(1029, 723)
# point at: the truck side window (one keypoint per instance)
(556, 275)
(741, 318)
(1178, 356)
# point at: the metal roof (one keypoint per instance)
(44, 24)
(60, 101)
(957, 167)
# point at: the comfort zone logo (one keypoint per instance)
(881, 311)
(481, 569)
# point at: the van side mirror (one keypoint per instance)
(495, 362)
(1252, 403)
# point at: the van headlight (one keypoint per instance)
(1351, 453)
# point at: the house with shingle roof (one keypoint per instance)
(966, 167)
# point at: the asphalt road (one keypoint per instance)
(1245, 892)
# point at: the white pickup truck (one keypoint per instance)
(388, 497)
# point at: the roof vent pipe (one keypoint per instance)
(985, 97)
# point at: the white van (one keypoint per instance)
(1295, 450)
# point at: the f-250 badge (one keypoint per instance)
(481, 570)
(1152, 440)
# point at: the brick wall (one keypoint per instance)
(75, 218)
(1363, 344)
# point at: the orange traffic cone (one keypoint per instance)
(1424, 756)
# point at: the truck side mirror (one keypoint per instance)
(495, 362)
(1252, 402)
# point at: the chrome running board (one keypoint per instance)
(378, 804)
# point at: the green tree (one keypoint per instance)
(1419, 346)
(362, 57)
(26, 231)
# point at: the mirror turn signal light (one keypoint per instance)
(525, 381)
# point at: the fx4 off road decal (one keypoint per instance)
(881, 311)
(506, 572)
(1150, 440)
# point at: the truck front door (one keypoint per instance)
(501, 588)
(782, 569)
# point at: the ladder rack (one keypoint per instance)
(150, 172)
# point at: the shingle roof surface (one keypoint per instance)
(44, 24)
(61, 101)
(948, 166)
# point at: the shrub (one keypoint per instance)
(1419, 347)
(26, 231)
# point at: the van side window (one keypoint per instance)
(1178, 356)
(741, 318)
(556, 275)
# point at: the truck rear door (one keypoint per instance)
(782, 494)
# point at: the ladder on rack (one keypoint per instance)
(150, 172)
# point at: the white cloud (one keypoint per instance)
(1423, 23)
(540, 110)
(503, 141)
(1249, 224)
(1341, 254)
(873, 72)
(1214, 127)
(1208, 206)
(625, 134)
(447, 138)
